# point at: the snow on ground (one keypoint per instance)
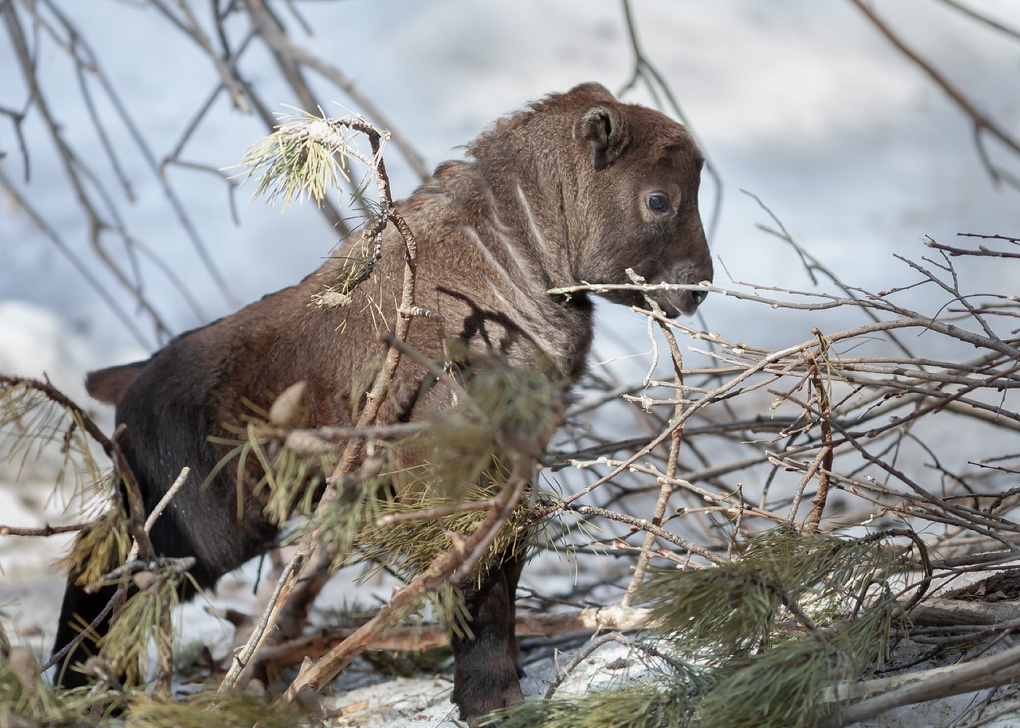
(799, 102)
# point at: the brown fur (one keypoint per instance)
(554, 195)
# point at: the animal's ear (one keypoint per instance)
(604, 127)
(107, 385)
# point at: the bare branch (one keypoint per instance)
(982, 123)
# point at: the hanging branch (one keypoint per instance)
(982, 123)
(656, 84)
(273, 35)
(102, 202)
(983, 19)
(981, 251)
(80, 180)
(324, 151)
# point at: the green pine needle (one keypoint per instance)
(640, 706)
(305, 157)
(145, 615)
(99, 548)
(726, 666)
(32, 422)
(214, 709)
(782, 687)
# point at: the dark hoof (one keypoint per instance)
(489, 692)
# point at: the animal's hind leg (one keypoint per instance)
(210, 532)
(486, 672)
(78, 607)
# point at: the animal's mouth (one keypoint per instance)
(679, 303)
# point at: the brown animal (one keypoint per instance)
(577, 187)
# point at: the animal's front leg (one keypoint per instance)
(486, 671)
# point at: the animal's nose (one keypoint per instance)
(699, 296)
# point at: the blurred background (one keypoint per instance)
(802, 103)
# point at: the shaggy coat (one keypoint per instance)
(576, 188)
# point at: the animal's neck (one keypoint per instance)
(520, 232)
(514, 234)
(496, 243)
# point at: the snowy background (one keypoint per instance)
(800, 102)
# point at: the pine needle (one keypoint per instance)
(146, 615)
(725, 664)
(304, 158)
(213, 709)
(641, 706)
(782, 688)
(35, 418)
(99, 548)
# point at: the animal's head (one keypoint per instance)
(637, 199)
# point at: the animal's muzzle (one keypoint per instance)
(679, 303)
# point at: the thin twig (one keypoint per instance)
(982, 123)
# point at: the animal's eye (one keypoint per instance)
(658, 202)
